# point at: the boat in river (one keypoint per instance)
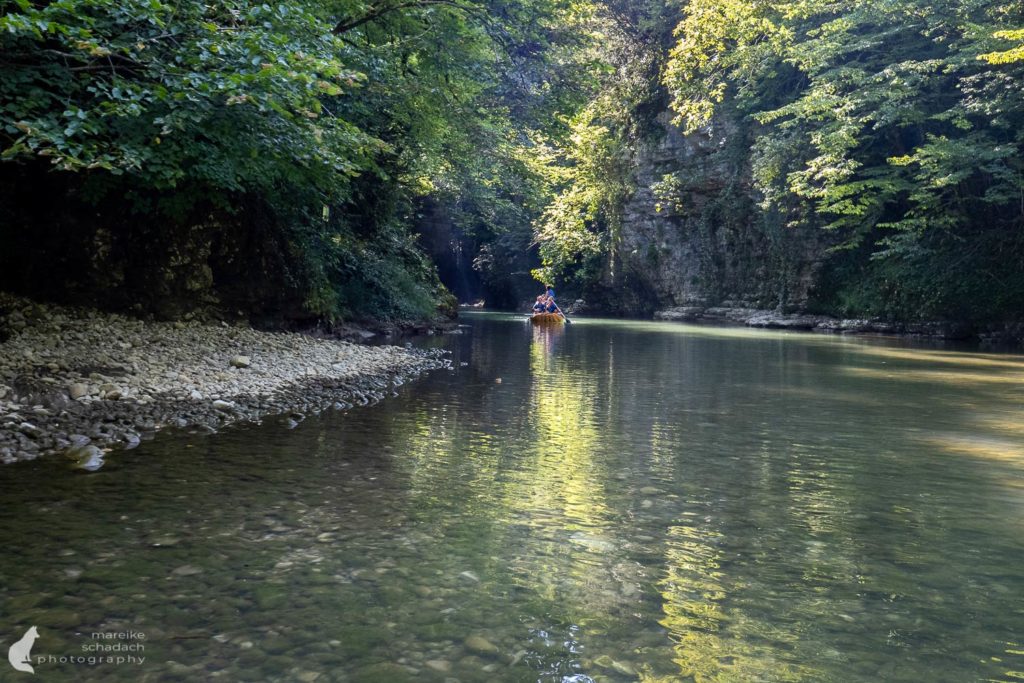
(547, 319)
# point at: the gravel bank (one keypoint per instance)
(82, 382)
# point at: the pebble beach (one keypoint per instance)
(80, 382)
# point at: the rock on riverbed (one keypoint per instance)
(70, 377)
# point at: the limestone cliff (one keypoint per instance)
(693, 234)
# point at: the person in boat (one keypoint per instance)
(549, 299)
(539, 306)
(549, 293)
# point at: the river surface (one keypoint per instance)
(612, 501)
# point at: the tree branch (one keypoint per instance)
(378, 12)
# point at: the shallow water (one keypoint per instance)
(631, 501)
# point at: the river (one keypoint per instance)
(611, 501)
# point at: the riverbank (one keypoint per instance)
(1007, 334)
(81, 382)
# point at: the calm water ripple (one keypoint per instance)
(613, 501)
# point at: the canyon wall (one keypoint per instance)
(693, 235)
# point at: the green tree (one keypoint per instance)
(325, 122)
(891, 123)
(588, 168)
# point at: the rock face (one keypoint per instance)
(473, 270)
(66, 241)
(107, 258)
(692, 235)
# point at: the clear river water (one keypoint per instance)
(612, 501)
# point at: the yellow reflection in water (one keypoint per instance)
(564, 474)
(561, 404)
(980, 447)
(952, 357)
(559, 492)
(712, 642)
(1012, 424)
(965, 379)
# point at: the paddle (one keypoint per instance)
(564, 316)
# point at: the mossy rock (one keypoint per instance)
(384, 672)
(275, 645)
(362, 638)
(439, 631)
(269, 596)
(58, 619)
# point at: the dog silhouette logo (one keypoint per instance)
(20, 654)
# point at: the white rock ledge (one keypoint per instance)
(753, 317)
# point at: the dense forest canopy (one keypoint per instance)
(322, 122)
(279, 156)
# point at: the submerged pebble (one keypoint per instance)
(469, 577)
(480, 645)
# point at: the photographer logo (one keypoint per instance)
(97, 648)
(20, 654)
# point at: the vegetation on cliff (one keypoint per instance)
(897, 125)
(276, 158)
(267, 157)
